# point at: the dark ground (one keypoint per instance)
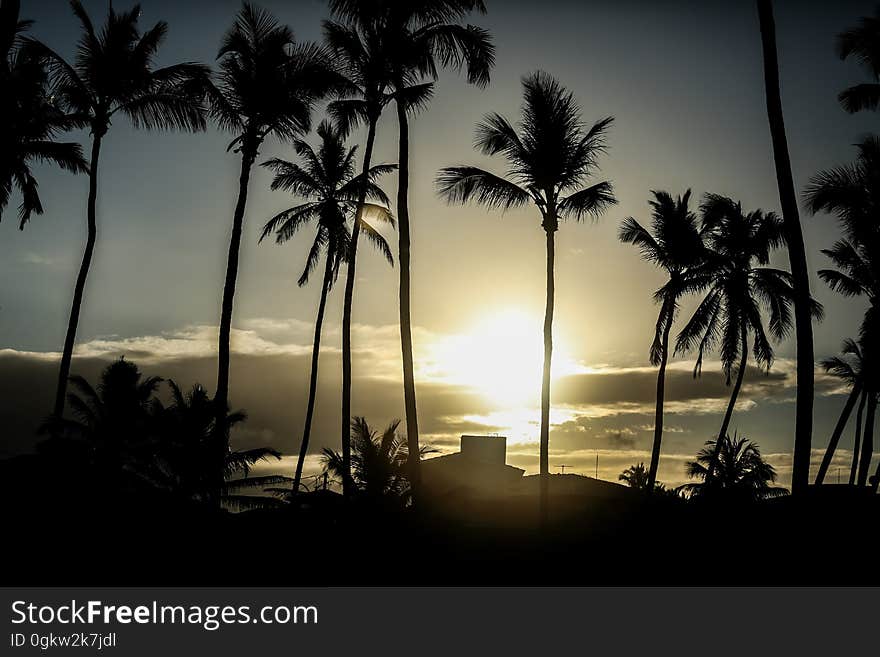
(62, 529)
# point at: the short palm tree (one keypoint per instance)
(418, 38)
(187, 446)
(852, 194)
(113, 74)
(267, 84)
(378, 463)
(735, 468)
(861, 42)
(29, 122)
(677, 247)
(849, 368)
(326, 179)
(635, 476)
(359, 50)
(738, 286)
(114, 421)
(550, 158)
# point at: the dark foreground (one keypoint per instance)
(62, 530)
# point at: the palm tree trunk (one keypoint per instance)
(409, 383)
(544, 494)
(725, 423)
(838, 430)
(858, 441)
(313, 377)
(658, 412)
(221, 398)
(79, 289)
(346, 317)
(796, 254)
(867, 442)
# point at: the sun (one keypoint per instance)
(501, 357)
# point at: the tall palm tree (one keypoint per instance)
(419, 37)
(113, 74)
(848, 367)
(675, 246)
(359, 49)
(326, 180)
(852, 194)
(738, 286)
(549, 159)
(29, 122)
(797, 255)
(267, 84)
(861, 42)
(735, 468)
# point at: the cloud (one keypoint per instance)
(607, 408)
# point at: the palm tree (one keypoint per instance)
(635, 476)
(326, 179)
(267, 84)
(549, 158)
(861, 42)
(797, 255)
(187, 443)
(114, 423)
(676, 246)
(114, 74)
(735, 468)
(852, 194)
(29, 122)
(737, 289)
(364, 65)
(848, 367)
(378, 463)
(419, 37)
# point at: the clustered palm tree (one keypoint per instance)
(852, 194)
(124, 435)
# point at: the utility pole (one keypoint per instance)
(563, 466)
(597, 463)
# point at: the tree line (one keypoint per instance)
(375, 53)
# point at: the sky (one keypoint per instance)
(684, 83)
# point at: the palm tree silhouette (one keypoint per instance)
(635, 476)
(550, 158)
(797, 255)
(861, 42)
(267, 84)
(419, 37)
(187, 446)
(852, 194)
(333, 192)
(676, 246)
(364, 65)
(736, 467)
(849, 368)
(114, 74)
(378, 463)
(736, 291)
(29, 121)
